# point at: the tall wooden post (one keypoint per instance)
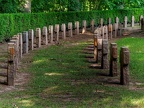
(92, 25)
(77, 28)
(51, 33)
(124, 66)
(140, 19)
(63, 30)
(56, 30)
(20, 45)
(38, 37)
(101, 22)
(113, 60)
(110, 31)
(25, 41)
(125, 22)
(132, 21)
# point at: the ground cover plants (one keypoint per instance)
(60, 77)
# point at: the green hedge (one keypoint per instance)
(11, 24)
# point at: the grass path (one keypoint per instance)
(60, 78)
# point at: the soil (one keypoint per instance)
(23, 77)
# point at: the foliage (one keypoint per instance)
(12, 24)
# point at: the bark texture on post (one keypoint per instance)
(83, 26)
(44, 35)
(63, 30)
(113, 60)
(104, 61)
(124, 65)
(20, 45)
(92, 25)
(38, 37)
(99, 50)
(56, 30)
(77, 28)
(110, 30)
(51, 33)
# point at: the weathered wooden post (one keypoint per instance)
(119, 32)
(109, 21)
(92, 25)
(115, 30)
(20, 45)
(96, 35)
(113, 60)
(56, 30)
(125, 22)
(132, 21)
(83, 26)
(104, 61)
(99, 50)
(51, 33)
(25, 41)
(101, 22)
(44, 35)
(110, 31)
(105, 28)
(38, 37)
(31, 39)
(11, 72)
(70, 32)
(117, 20)
(140, 19)
(77, 28)
(124, 65)
(142, 24)
(63, 30)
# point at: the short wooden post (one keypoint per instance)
(117, 20)
(25, 41)
(140, 19)
(77, 27)
(115, 30)
(101, 22)
(132, 21)
(63, 30)
(109, 21)
(51, 33)
(20, 45)
(56, 30)
(38, 37)
(83, 26)
(124, 66)
(113, 60)
(110, 31)
(119, 32)
(92, 25)
(104, 61)
(11, 72)
(31, 39)
(70, 32)
(44, 35)
(99, 50)
(105, 32)
(125, 22)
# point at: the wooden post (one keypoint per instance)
(99, 50)
(119, 32)
(77, 28)
(102, 32)
(142, 24)
(140, 19)
(125, 22)
(83, 26)
(115, 30)
(70, 32)
(25, 41)
(132, 21)
(110, 31)
(51, 33)
(31, 39)
(56, 30)
(117, 20)
(109, 21)
(105, 32)
(63, 29)
(38, 37)
(113, 60)
(92, 25)
(11, 72)
(104, 61)
(20, 45)
(124, 66)
(44, 35)
(101, 22)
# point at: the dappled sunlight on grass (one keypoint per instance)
(27, 103)
(54, 74)
(138, 102)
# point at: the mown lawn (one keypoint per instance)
(61, 78)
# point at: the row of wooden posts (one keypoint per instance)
(101, 52)
(23, 42)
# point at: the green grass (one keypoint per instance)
(61, 78)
